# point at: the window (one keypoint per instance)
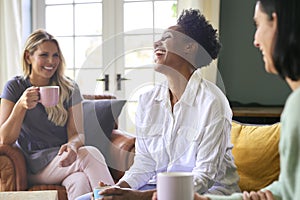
(79, 28)
(108, 38)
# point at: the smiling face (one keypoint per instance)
(170, 50)
(44, 61)
(265, 36)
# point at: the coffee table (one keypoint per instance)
(30, 195)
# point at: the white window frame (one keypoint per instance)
(112, 25)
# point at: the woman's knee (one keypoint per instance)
(76, 184)
(90, 152)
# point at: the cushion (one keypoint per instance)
(99, 120)
(256, 154)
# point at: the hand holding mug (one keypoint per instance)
(97, 190)
(29, 98)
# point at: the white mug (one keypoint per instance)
(175, 186)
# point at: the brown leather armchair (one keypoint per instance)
(13, 172)
(13, 176)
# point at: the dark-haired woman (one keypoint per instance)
(183, 124)
(278, 38)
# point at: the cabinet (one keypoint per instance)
(257, 115)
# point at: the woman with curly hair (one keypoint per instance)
(184, 123)
(51, 138)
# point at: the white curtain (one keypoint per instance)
(211, 10)
(10, 39)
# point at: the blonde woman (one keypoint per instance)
(51, 138)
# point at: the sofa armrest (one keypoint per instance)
(98, 96)
(121, 153)
(13, 175)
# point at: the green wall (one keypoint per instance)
(240, 63)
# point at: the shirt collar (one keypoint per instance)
(190, 93)
(163, 95)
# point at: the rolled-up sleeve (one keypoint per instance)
(143, 168)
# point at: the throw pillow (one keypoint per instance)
(99, 120)
(256, 154)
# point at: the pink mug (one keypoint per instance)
(49, 95)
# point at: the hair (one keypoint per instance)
(57, 114)
(195, 25)
(286, 54)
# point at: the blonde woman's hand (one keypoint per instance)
(29, 98)
(68, 155)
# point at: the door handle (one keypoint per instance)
(119, 79)
(106, 81)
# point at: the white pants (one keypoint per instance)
(79, 178)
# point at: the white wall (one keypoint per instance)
(211, 10)
(10, 39)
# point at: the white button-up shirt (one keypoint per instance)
(195, 137)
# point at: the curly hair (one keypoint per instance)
(195, 25)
